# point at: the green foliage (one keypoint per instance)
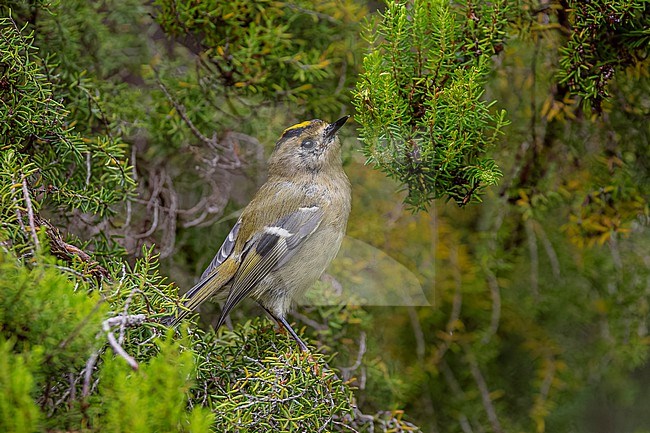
(18, 411)
(42, 355)
(256, 380)
(253, 374)
(419, 99)
(152, 399)
(606, 37)
(38, 141)
(300, 52)
(32, 300)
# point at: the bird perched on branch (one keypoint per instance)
(288, 234)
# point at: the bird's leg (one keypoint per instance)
(283, 322)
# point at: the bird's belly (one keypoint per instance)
(281, 286)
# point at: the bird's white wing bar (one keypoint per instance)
(269, 251)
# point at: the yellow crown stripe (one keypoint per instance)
(297, 126)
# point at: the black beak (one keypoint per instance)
(332, 128)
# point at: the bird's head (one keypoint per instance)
(309, 147)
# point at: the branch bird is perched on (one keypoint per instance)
(289, 233)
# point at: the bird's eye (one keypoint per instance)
(308, 144)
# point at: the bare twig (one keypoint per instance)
(420, 343)
(458, 293)
(196, 221)
(131, 320)
(455, 388)
(154, 223)
(172, 215)
(30, 211)
(134, 175)
(491, 278)
(307, 321)
(420, 350)
(457, 302)
(107, 131)
(347, 371)
(495, 292)
(69, 271)
(484, 390)
(120, 351)
(550, 251)
(534, 258)
(88, 372)
(19, 214)
(88, 169)
(69, 252)
(211, 142)
(316, 14)
(545, 389)
(69, 394)
(127, 303)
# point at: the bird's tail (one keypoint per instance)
(193, 298)
(202, 291)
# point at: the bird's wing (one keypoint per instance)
(214, 278)
(223, 253)
(206, 288)
(268, 250)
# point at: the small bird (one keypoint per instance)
(289, 232)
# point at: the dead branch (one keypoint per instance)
(122, 320)
(69, 252)
(30, 211)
